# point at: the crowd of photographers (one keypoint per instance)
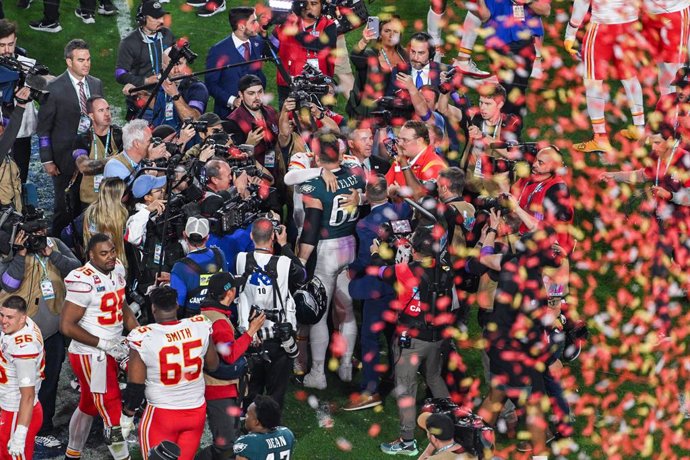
(300, 232)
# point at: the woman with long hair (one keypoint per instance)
(108, 215)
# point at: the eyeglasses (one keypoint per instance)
(403, 141)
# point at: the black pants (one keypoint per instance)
(21, 151)
(270, 378)
(54, 347)
(518, 57)
(62, 215)
(224, 429)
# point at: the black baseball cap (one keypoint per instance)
(220, 283)
(682, 77)
(153, 9)
(248, 81)
(440, 425)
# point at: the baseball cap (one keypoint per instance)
(163, 131)
(440, 425)
(682, 77)
(153, 9)
(220, 283)
(144, 184)
(248, 81)
(212, 119)
(197, 226)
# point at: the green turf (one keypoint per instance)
(315, 442)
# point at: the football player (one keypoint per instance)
(166, 363)
(265, 437)
(607, 51)
(329, 225)
(21, 373)
(94, 315)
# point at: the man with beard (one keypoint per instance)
(94, 316)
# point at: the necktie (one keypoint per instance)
(418, 81)
(245, 51)
(82, 97)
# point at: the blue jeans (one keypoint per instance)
(372, 326)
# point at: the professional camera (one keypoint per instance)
(281, 330)
(309, 86)
(395, 235)
(19, 71)
(182, 50)
(471, 432)
(200, 126)
(171, 147)
(179, 210)
(31, 222)
(236, 213)
(392, 110)
(500, 203)
(347, 14)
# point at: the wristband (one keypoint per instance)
(405, 168)
(426, 116)
(492, 230)
(486, 251)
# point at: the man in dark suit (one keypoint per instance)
(375, 294)
(60, 120)
(242, 45)
(421, 68)
(360, 142)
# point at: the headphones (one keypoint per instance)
(425, 37)
(140, 18)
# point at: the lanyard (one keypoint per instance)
(668, 163)
(445, 448)
(497, 129)
(385, 58)
(134, 165)
(106, 147)
(153, 51)
(537, 189)
(313, 29)
(43, 266)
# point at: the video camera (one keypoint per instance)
(236, 213)
(396, 235)
(309, 87)
(179, 211)
(31, 222)
(348, 15)
(392, 110)
(471, 432)
(182, 50)
(19, 71)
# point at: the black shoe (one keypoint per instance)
(107, 9)
(84, 16)
(23, 4)
(211, 8)
(44, 25)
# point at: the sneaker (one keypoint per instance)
(400, 447)
(45, 25)
(469, 68)
(364, 401)
(316, 380)
(632, 133)
(592, 146)
(210, 9)
(23, 4)
(107, 9)
(537, 69)
(49, 442)
(85, 17)
(345, 372)
(196, 3)
(48, 447)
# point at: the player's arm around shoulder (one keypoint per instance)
(205, 328)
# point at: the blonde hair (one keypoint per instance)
(108, 215)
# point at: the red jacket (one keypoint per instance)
(299, 43)
(426, 168)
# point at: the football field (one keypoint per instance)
(622, 390)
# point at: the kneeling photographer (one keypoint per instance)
(34, 267)
(424, 299)
(268, 277)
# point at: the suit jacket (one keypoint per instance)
(58, 121)
(435, 70)
(221, 85)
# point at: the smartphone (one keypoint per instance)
(401, 226)
(373, 25)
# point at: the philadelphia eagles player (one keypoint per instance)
(329, 226)
(266, 439)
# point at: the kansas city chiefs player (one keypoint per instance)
(94, 315)
(166, 364)
(21, 373)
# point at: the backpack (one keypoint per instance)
(270, 270)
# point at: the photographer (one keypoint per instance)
(314, 42)
(219, 186)
(417, 166)
(35, 270)
(10, 180)
(21, 149)
(221, 394)
(419, 330)
(242, 45)
(93, 148)
(177, 100)
(440, 431)
(256, 123)
(140, 54)
(214, 129)
(136, 141)
(268, 278)
(189, 276)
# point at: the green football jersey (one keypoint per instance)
(274, 445)
(337, 220)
